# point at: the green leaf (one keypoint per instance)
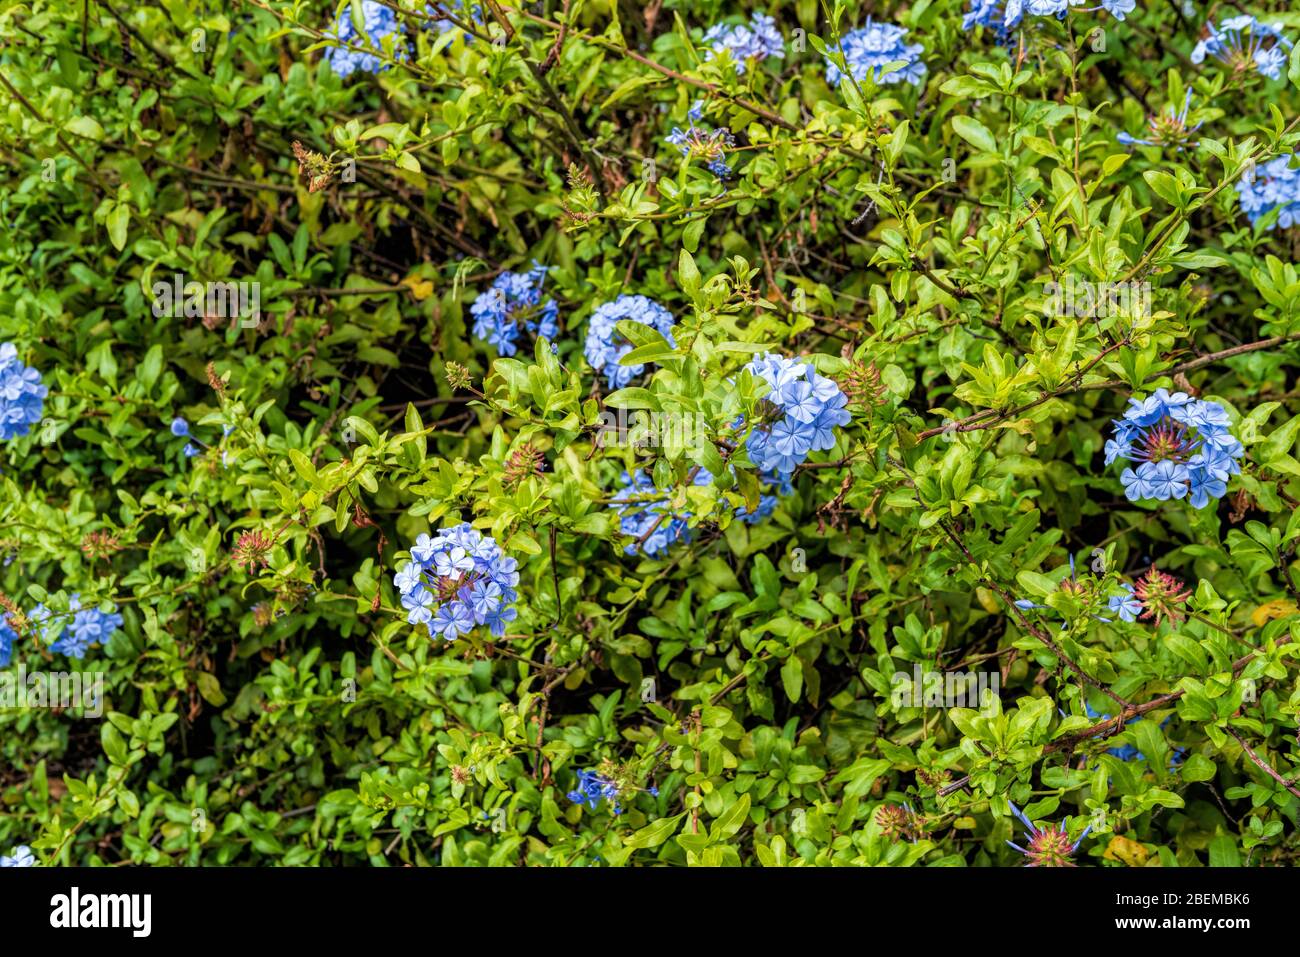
(119, 218)
(975, 133)
(654, 834)
(730, 821)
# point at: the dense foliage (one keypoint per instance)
(636, 417)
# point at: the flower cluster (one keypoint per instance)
(380, 23)
(710, 146)
(1245, 45)
(457, 579)
(22, 396)
(1183, 445)
(899, 821)
(804, 410)
(608, 781)
(757, 41)
(873, 46)
(22, 857)
(645, 513)
(1275, 185)
(592, 786)
(514, 301)
(1049, 845)
(1157, 595)
(89, 626)
(1002, 15)
(1168, 128)
(604, 347)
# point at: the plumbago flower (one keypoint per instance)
(1274, 186)
(22, 857)
(605, 347)
(513, 302)
(7, 638)
(1005, 14)
(456, 580)
(89, 626)
(380, 23)
(1183, 445)
(758, 41)
(22, 396)
(872, 47)
(608, 781)
(1168, 128)
(1162, 596)
(710, 146)
(592, 786)
(1049, 845)
(1157, 595)
(1245, 45)
(646, 514)
(801, 411)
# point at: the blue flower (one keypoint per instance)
(1118, 8)
(514, 301)
(987, 13)
(180, 427)
(22, 857)
(456, 580)
(453, 619)
(22, 396)
(644, 511)
(870, 48)
(1182, 444)
(758, 41)
(89, 626)
(604, 346)
(380, 23)
(1204, 486)
(593, 786)
(707, 145)
(1164, 480)
(809, 406)
(1274, 186)
(1116, 449)
(1126, 605)
(1245, 44)
(7, 638)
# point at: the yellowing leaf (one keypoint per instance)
(1277, 608)
(1126, 851)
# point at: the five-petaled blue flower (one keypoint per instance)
(22, 395)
